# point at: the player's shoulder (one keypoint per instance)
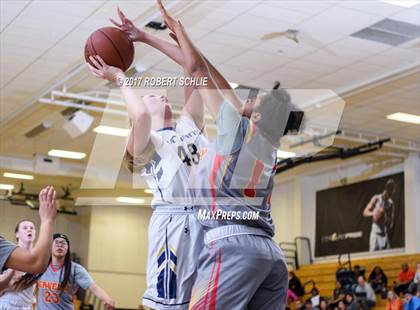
(77, 268)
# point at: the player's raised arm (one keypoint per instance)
(368, 211)
(193, 107)
(138, 112)
(35, 260)
(217, 90)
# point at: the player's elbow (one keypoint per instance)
(196, 67)
(37, 265)
(141, 117)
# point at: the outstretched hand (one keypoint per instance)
(168, 19)
(47, 204)
(104, 71)
(128, 27)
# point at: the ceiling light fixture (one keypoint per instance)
(66, 154)
(6, 187)
(112, 131)
(404, 117)
(18, 176)
(132, 200)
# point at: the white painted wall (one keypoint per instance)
(118, 251)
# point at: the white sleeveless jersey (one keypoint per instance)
(177, 151)
(24, 298)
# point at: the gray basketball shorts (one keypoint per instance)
(240, 268)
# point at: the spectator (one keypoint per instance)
(338, 294)
(411, 302)
(298, 305)
(358, 271)
(291, 297)
(346, 277)
(350, 302)
(414, 286)
(315, 298)
(365, 294)
(378, 281)
(308, 305)
(404, 279)
(323, 304)
(341, 305)
(394, 302)
(295, 285)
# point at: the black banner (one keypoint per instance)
(361, 217)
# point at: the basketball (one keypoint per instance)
(114, 47)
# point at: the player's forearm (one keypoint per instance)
(367, 212)
(196, 66)
(99, 292)
(171, 50)
(42, 248)
(193, 60)
(136, 109)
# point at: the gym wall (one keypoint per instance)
(294, 199)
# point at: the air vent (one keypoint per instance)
(389, 31)
(38, 129)
(156, 25)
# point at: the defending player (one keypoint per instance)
(241, 266)
(20, 291)
(382, 210)
(164, 153)
(33, 260)
(60, 281)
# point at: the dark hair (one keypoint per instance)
(18, 225)
(67, 264)
(390, 186)
(278, 115)
(349, 294)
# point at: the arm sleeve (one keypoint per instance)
(6, 248)
(231, 129)
(82, 277)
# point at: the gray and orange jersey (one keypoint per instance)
(235, 174)
(170, 156)
(49, 294)
(6, 249)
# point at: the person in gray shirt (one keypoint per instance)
(365, 294)
(63, 277)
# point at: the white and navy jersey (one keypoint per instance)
(24, 298)
(236, 174)
(176, 150)
(49, 294)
